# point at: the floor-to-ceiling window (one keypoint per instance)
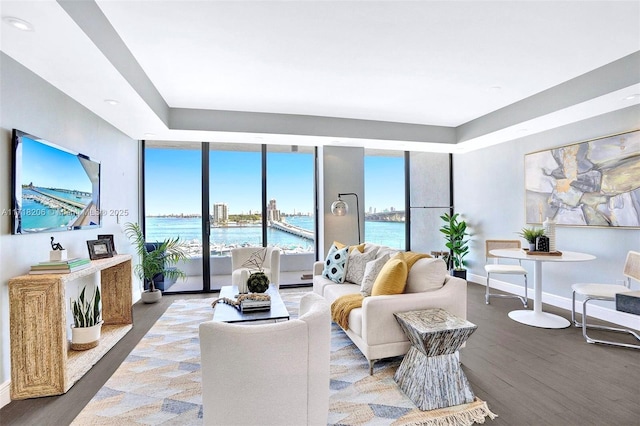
(172, 202)
(255, 195)
(384, 198)
(290, 208)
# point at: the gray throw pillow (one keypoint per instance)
(357, 262)
(371, 271)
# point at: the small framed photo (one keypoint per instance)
(110, 238)
(99, 249)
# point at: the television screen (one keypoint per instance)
(54, 189)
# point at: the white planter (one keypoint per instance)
(151, 296)
(83, 338)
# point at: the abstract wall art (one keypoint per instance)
(592, 183)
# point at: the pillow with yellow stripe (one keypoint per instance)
(391, 279)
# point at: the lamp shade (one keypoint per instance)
(339, 208)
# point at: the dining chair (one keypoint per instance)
(493, 267)
(607, 292)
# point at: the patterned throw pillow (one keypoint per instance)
(336, 264)
(357, 263)
(371, 272)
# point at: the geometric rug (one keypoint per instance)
(159, 383)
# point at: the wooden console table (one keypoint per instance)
(42, 363)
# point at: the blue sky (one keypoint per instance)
(46, 166)
(173, 182)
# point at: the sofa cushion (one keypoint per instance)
(371, 271)
(391, 279)
(382, 250)
(333, 291)
(426, 275)
(336, 263)
(357, 262)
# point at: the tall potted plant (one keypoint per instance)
(455, 232)
(156, 261)
(87, 320)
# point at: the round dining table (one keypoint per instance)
(537, 317)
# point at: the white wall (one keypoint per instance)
(342, 171)
(29, 104)
(489, 193)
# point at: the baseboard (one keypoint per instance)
(5, 393)
(610, 315)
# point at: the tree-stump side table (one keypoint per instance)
(430, 373)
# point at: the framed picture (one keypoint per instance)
(592, 183)
(110, 238)
(99, 249)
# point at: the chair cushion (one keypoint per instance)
(505, 269)
(371, 271)
(391, 279)
(335, 264)
(357, 262)
(426, 275)
(607, 291)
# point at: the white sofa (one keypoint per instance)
(373, 327)
(268, 374)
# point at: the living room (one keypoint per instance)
(488, 150)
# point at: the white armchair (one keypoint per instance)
(268, 374)
(271, 265)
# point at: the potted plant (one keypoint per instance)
(258, 281)
(455, 231)
(87, 322)
(156, 261)
(531, 234)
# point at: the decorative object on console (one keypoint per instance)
(60, 267)
(341, 208)
(455, 232)
(531, 234)
(57, 253)
(87, 320)
(109, 237)
(99, 249)
(609, 167)
(156, 261)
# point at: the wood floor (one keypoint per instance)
(528, 376)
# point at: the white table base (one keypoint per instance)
(539, 319)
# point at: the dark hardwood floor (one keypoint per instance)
(528, 376)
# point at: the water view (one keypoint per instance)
(222, 238)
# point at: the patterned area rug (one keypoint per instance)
(159, 382)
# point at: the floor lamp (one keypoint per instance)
(341, 208)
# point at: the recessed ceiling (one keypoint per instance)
(424, 69)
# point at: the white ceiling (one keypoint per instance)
(429, 63)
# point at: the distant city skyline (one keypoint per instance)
(173, 182)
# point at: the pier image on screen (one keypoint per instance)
(55, 189)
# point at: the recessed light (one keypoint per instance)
(18, 23)
(632, 97)
(149, 135)
(494, 89)
(111, 101)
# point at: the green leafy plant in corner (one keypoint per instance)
(86, 310)
(455, 232)
(530, 234)
(157, 261)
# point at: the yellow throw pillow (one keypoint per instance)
(391, 279)
(360, 247)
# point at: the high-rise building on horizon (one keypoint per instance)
(273, 214)
(220, 213)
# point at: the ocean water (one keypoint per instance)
(190, 229)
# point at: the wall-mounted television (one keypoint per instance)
(53, 188)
